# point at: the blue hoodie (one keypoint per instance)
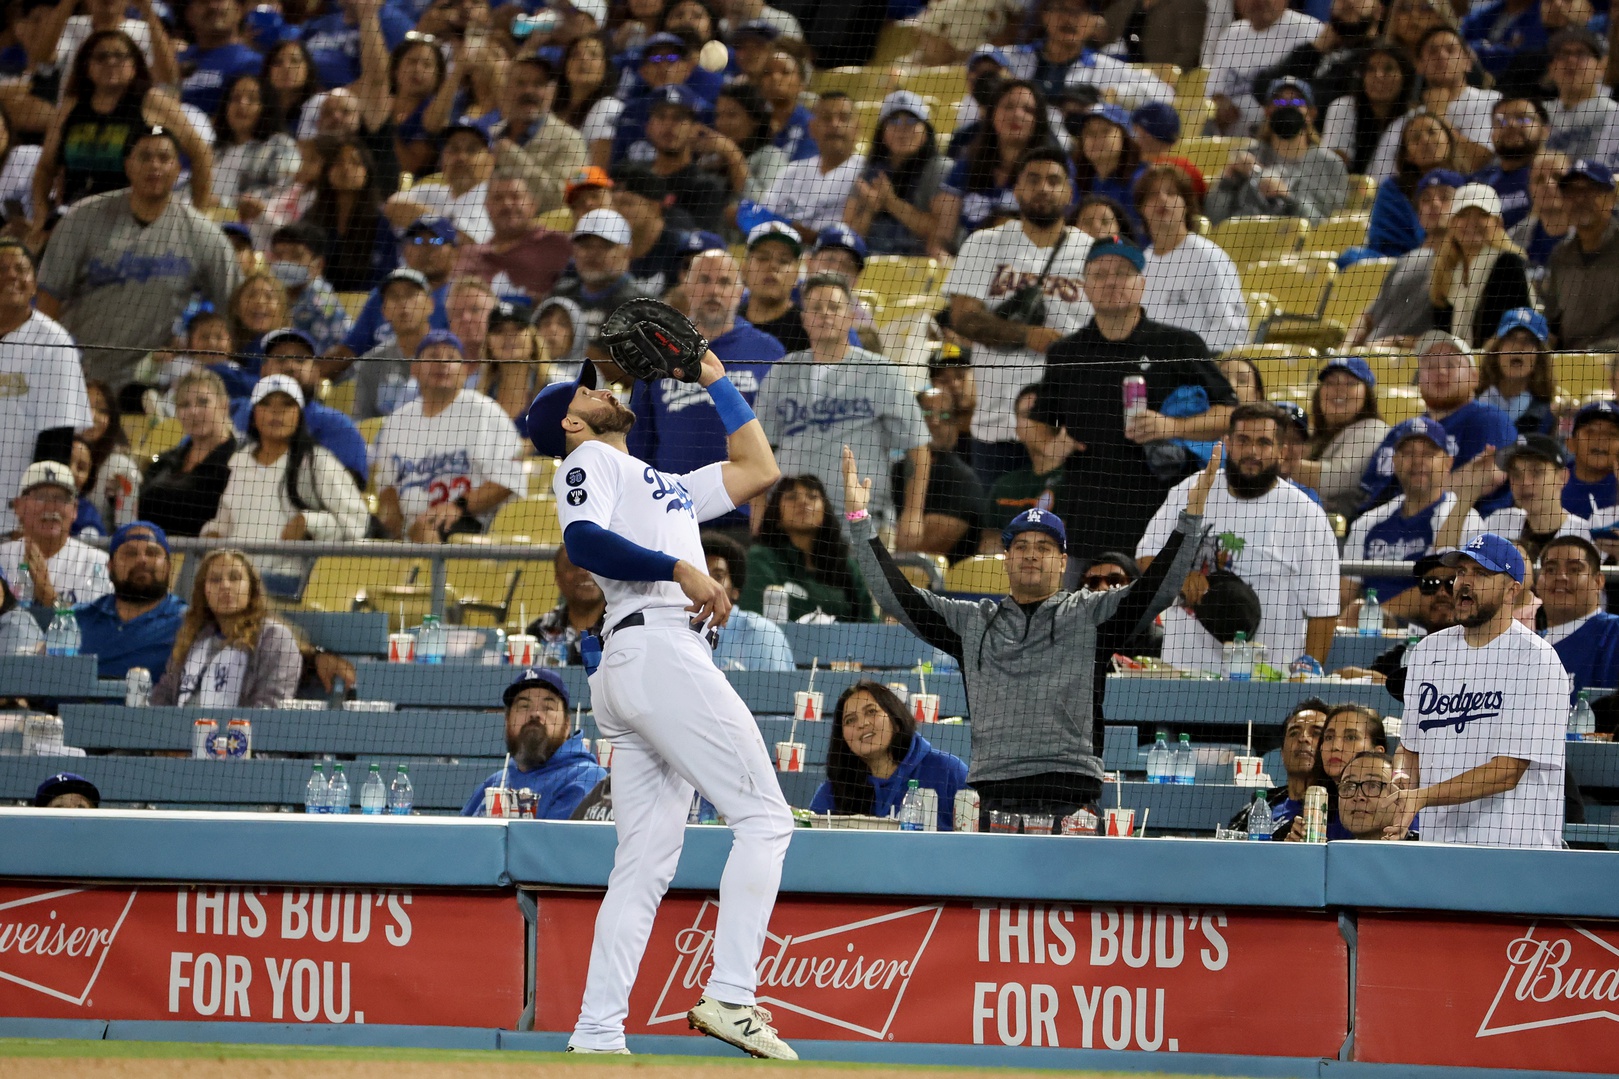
(561, 783)
(931, 768)
(677, 429)
(1591, 653)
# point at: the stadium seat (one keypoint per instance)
(948, 82)
(1256, 239)
(369, 429)
(221, 215)
(534, 594)
(1210, 154)
(1338, 233)
(161, 437)
(983, 574)
(910, 307)
(535, 518)
(1362, 189)
(558, 220)
(1169, 73)
(1194, 113)
(1299, 285)
(541, 471)
(1192, 85)
(134, 425)
(483, 588)
(352, 302)
(351, 583)
(1392, 366)
(895, 42)
(1400, 403)
(901, 277)
(1581, 374)
(1354, 288)
(1261, 305)
(860, 83)
(1282, 367)
(339, 396)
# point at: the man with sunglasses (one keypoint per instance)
(1585, 637)
(1435, 610)
(1518, 129)
(428, 247)
(1367, 797)
(667, 59)
(1485, 710)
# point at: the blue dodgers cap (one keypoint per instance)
(1119, 248)
(1492, 552)
(542, 677)
(1524, 318)
(440, 337)
(1596, 410)
(66, 783)
(1586, 169)
(679, 95)
(1441, 178)
(287, 333)
(758, 28)
(543, 420)
(440, 228)
(1158, 120)
(697, 241)
(1036, 521)
(130, 531)
(238, 230)
(1113, 114)
(1352, 364)
(842, 236)
(662, 40)
(1303, 88)
(988, 52)
(1423, 427)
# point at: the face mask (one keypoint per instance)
(1287, 122)
(985, 87)
(290, 274)
(1357, 30)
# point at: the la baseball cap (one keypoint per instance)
(66, 783)
(1113, 114)
(1595, 411)
(542, 423)
(1158, 119)
(758, 28)
(1354, 365)
(1036, 521)
(609, 225)
(679, 95)
(1493, 553)
(987, 52)
(1592, 171)
(469, 129)
(1580, 36)
(1117, 247)
(414, 277)
(1295, 415)
(1303, 88)
(238, 231)
(839, 235)
(638, 179)
(440, 228)
(1539, 446)
(507, 313)
(1476, 196)
(1423, 427)
(776, 230)
(47, 474)
(905, 101)
(1441, 178)
(1524, 318)
(440, 337)
(663, 40)
(287, 333)
(277, 384)
(132, 531)
(698, 240)
(588, 177)
(532, 677)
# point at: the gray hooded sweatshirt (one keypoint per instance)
(1028, 677)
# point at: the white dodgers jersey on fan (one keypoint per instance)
(658, 511)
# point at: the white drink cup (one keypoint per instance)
(521, 649)
(604, 752)
(807, 705)
(401, 648)
(925, 707)
(1121, 823)
(789, 756)
(499, 802)
(1248, 770)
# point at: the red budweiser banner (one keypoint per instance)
(1504, 993)
(1158, 979)
(262, 954)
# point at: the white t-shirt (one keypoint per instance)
(467, 211)
(656, 510)
(803, 193)
(430, 460)
(1360, 545)
(1242, 52)
(1288, 556)
(78, 570)
(602, 120)
(1124, 83)
(1588, 129)
(993, 264)
(1197, 287)
(1509, 522)
(255, 506)
(17, 176)
(41, 387)
(1466, 705)
(1469, 114)
(1338, 127)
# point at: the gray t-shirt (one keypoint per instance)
(810, 411)
(1402, 307)
(122, 284)
(382, 382)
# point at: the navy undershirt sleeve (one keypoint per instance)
(592, 547)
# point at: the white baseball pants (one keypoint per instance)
(676, 723)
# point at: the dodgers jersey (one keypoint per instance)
(1465, 705)
(628, 497)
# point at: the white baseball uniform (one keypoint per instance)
(675, 723)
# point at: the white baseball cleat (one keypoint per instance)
(745, 1026)
(608, 1052)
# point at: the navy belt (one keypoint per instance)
(712, 636)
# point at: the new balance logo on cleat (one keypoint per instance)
(621, 1051)
(744, 1026)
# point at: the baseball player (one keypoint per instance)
(675, 722)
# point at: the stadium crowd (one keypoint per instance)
(295, 272)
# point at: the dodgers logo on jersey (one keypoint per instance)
(1457, 709)
(673, 491)
(575, 477)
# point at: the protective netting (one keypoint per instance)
(279, 286)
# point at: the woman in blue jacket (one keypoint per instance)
(1427, 143)
(869, 767)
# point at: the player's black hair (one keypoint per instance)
(828, 560)
(719, 545)
(849, 775)
(300, 448)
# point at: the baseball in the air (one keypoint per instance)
(713, 56)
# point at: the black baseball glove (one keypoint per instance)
(650, 340)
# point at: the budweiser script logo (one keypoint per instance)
(851, 975)
(56, 942)
(1567, 975)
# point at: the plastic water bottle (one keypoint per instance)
(1582, 722)
(430, 640)
(62, 639)
(1240, 664)
(1260, 822)
(1160, 764)
(910, 810)
(1185, 762)
(337, 792)
(373, 795)
(23, 587)
(315, 791)
(1371, 615)
(400, 795)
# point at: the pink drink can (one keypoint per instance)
(1135, 396)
